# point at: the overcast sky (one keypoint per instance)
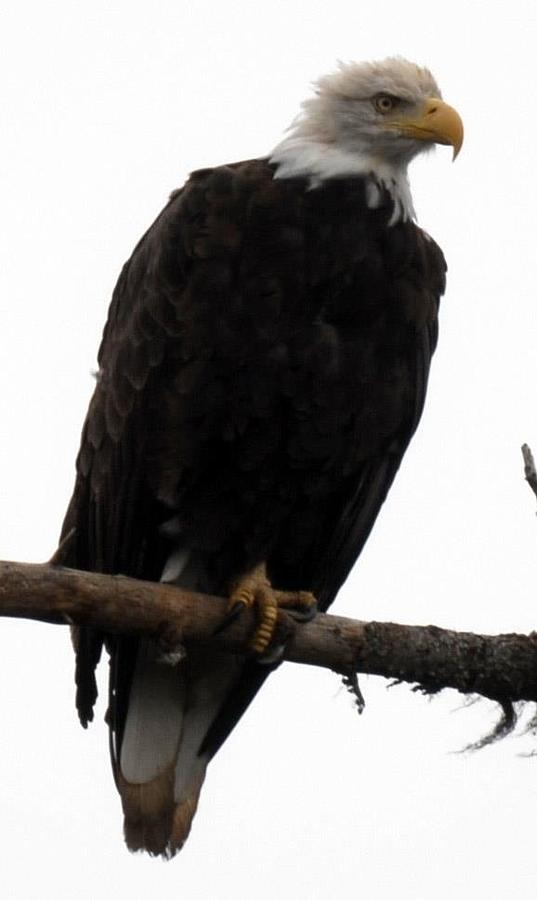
(105, 109)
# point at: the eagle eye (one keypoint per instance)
(384, 103)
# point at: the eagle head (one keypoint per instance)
(372, 119)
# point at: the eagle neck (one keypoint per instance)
(318, 162)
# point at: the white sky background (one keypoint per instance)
(104, 111)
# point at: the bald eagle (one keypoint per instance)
(262, 370)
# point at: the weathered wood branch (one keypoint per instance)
(530, 472)
(501, 667)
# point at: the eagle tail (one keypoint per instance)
(152, 820)
(161, 765)
(162, 762)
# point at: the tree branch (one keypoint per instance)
(530, 472)
(502, 667)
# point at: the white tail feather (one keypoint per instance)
(170, 711)
(155, 717)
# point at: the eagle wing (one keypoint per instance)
(111, 516)
(335, 553)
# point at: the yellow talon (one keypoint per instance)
(255, 589)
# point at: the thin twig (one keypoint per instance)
(530, 472)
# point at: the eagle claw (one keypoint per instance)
(254, 590)
(232, 614)
(303, 614)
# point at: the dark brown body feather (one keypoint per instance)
(262, 370)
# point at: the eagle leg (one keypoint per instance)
(255, 590)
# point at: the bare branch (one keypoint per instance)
(530, 472)
(502, 667)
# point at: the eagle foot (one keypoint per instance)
(255, 590)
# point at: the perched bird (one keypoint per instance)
(262, 370)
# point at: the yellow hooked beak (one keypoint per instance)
(435, 121)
